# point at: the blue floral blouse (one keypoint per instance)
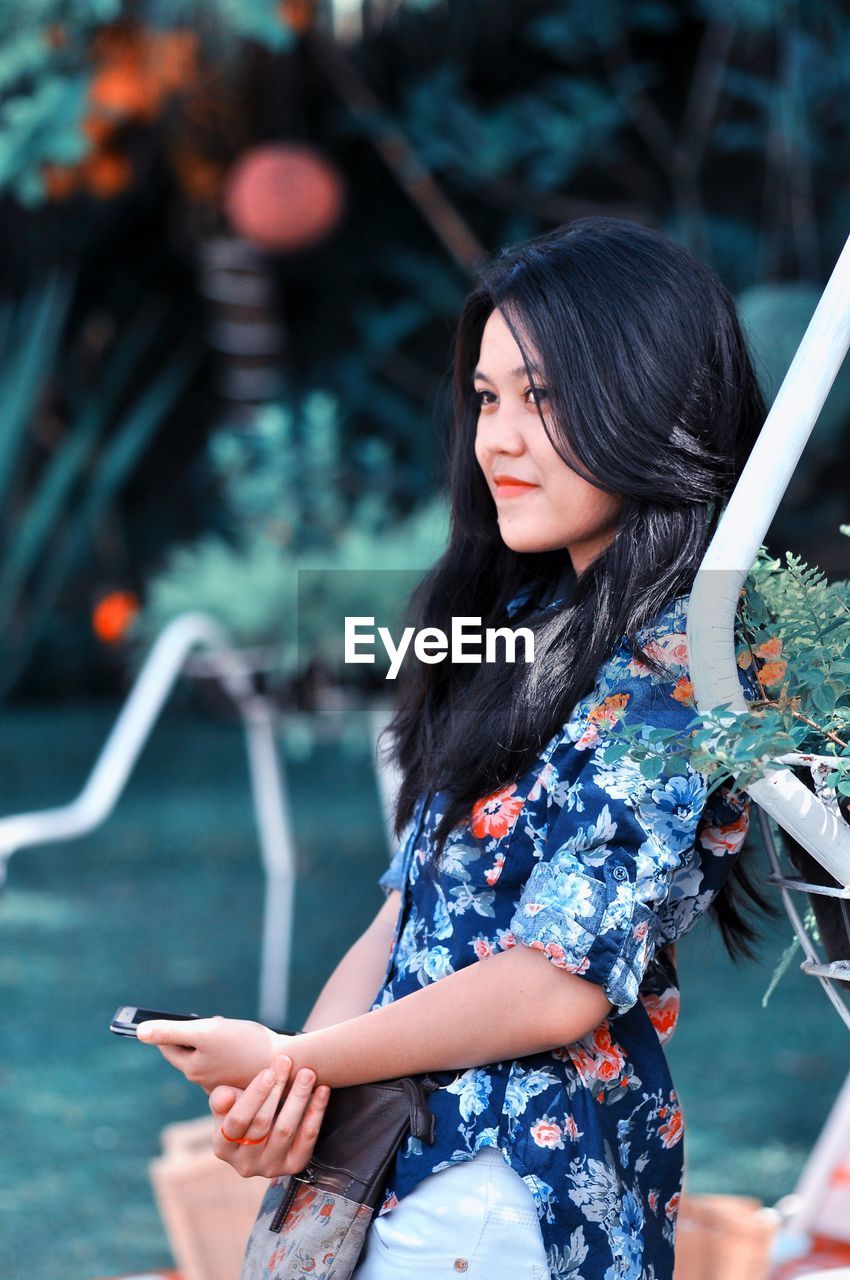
(602, 871)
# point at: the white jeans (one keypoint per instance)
(475, 1219)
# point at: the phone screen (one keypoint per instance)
(127, 1017)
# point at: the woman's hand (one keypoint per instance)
(290, 1136)
(213, 1051)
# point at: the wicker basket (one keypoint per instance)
(723, 1238)
(207, 1209)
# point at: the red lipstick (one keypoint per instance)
(511, 486)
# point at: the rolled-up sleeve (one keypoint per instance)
(393, 877)
(616, 847)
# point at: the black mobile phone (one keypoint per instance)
(127, 1017)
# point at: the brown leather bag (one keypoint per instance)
(315, 1222)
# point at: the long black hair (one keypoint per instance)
(651, 396)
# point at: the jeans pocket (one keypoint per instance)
(510, 1247)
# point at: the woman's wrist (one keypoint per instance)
(284, 1042)
(303, 1052)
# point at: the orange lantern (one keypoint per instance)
(284, 196)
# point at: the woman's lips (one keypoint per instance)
(511, 487)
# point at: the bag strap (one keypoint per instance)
(422, 1122)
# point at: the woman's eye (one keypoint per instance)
(538, 395)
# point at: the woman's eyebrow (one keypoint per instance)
(519, 372)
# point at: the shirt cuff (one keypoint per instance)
(591, 927)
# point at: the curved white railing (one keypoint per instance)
(121, 749)
(740, 533)
(107, 780)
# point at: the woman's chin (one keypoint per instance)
(526, 540)
(527, 544)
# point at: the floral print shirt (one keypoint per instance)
(602, 871)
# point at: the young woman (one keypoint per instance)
(604, 407)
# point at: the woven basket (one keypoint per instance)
(723, 1238)
(207, 1209)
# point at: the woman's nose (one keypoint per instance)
(502, 433)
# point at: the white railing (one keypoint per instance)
(740, 533)
(714, 598)
(168, 658)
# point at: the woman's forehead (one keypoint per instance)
(500, 352)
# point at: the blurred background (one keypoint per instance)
(235, 238)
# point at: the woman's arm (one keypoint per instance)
(355, 981)
(507, 1006)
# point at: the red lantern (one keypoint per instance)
(284, 196)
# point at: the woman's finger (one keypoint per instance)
(177, 1056)
(234, 1128)
(291, 1114)
(307, 1132)
(222, 1098)
(265, 1116)
(158, 1031)
(287, 1148)
(261, 1125)
(252, 1114)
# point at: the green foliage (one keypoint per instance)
(302, 513)
(804, 707)
(542, 136)
(811, 926)
(593, 110)
(799, 623)
(48, 523)
(45, 80)
(44, 89)
(31, 333)
(812, 617)
(219, 22)
(41, 127)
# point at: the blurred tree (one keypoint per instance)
(304, 521)
(452, 127)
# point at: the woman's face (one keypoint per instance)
(541, 504)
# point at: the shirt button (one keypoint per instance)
(461, 1264)
(619, 873)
